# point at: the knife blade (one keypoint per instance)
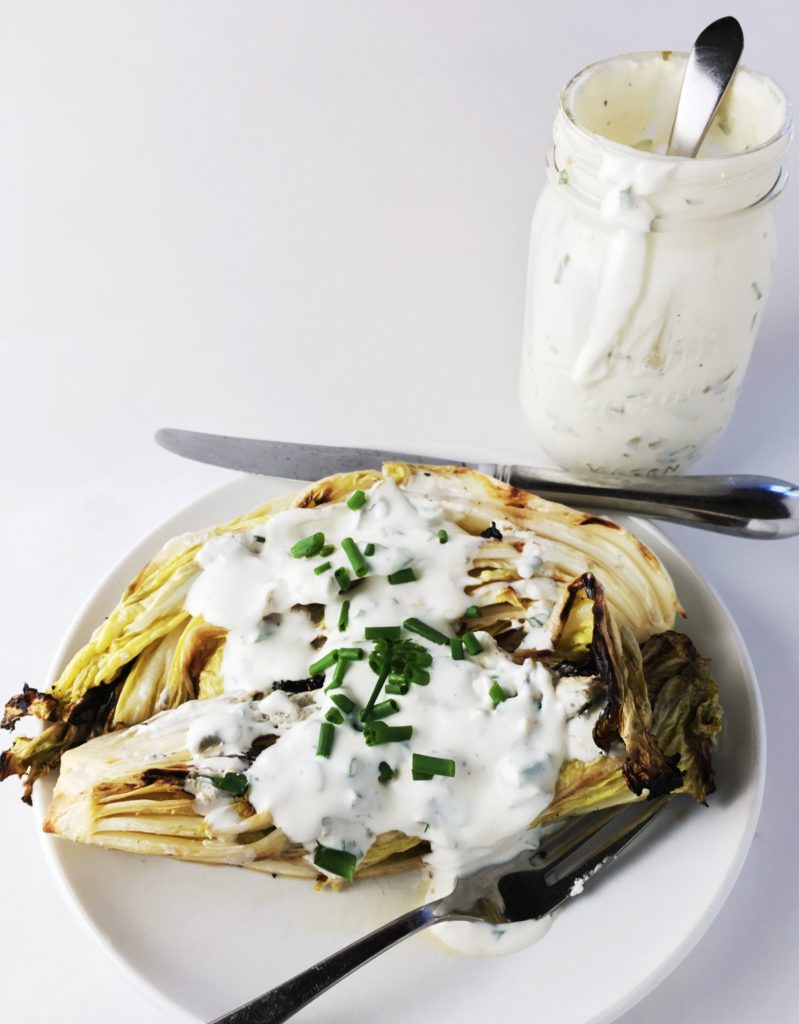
(758, 507)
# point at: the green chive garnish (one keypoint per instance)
(443, 536)
(357, 499)
(325, 742)
(344, 616)
(385, 773)
(433, 765)
(336, 862)
(322, 568)
(398, 688)
(435, 636)
(308, 546)
(497, 694)
(456, 648)
(402, 576)
(369, 549)
(343, 579)
(328, 549)
(350, 653)
(419, 676)
(378, 733)
(382, 632)
(383, 675)
(384, 709)
(324, 663)
(334, 716)
(230, 782)
(342, 701)
(338, 675)
(420, 776)
(471, 643)
(357, 561)
(472, 612)
(257, 537)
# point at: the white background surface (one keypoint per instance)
(309, 221)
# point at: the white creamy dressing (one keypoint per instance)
(506, 757)
(647, 280)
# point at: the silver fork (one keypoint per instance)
(526, 888)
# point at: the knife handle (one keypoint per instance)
(759, 507)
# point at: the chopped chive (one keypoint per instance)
(397, 688)
(419, 676)
(456, 648)
(443, 536)
(357, 561)
(433, 765)
(344, 617)
(435, 636)
(352, 768)
(343, 580)
(472, 612)
(471, 643)
(369, 549)
(425, 825)
(322, 568)
(384, 709)
(334, 716)
(308, 546)
(338, 675)
(382, 632)
(325, 742)
(324, 663)
(259, 538)
(497, 694)
(342, 701)
(420, 776)
(367, 711)
(402, 576)
(385, 773)
(231, 782)
(328, 549)
(357, 499)
(350, 653)
(335, 862)
(378, 733)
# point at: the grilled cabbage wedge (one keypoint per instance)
(660, 717)
(151, 655)
(117, 718)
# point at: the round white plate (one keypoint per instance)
(205, 939)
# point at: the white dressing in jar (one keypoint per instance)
(648, 274)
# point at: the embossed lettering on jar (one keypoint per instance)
(648, 274)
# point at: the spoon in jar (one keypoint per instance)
(708, 73)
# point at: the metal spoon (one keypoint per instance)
(708, 73)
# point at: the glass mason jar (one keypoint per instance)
(648, 274)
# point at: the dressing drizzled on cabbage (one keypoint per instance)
(355, 761)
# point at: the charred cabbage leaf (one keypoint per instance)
(659, 724)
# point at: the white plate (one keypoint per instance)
(205, 939)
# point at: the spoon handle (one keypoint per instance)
(285, 1000)
(708, 72)
(758, 507)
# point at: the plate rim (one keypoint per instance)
(144, 548)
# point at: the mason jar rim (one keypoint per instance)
(568, 112)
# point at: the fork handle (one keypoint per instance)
(282, 1002)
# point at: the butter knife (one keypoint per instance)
(759, 507)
